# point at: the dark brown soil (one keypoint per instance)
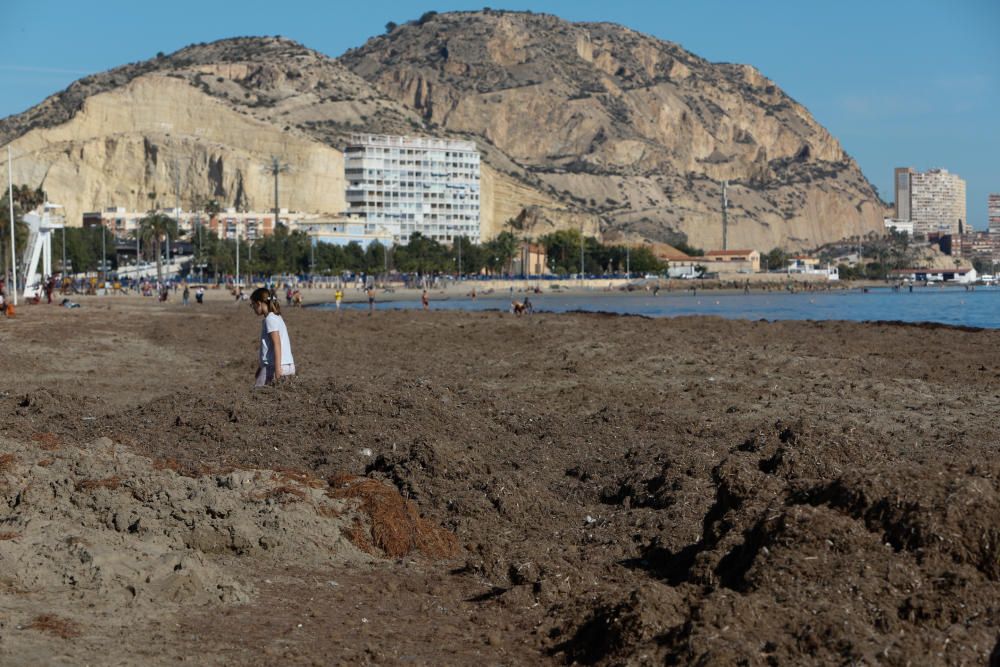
(623, 490)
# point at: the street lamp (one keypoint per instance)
(236, 278)
(104, 255)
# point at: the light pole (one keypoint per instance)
(236, 278)
(250, 243)
(581, 254)
(628, 262)
(312, 253)
(104, 256)
(10, 201)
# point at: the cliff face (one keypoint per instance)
(635, 130)
(588, 125)
(132, 146)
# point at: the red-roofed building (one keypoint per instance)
(746, 261)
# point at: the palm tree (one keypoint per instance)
(275, 168)
(156, 227)
(213, 208)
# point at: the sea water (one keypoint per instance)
(945, 305)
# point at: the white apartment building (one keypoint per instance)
(993, 211)
(413, 184)
(934, 201)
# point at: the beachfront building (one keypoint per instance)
(810, 266)
(413, 184)
(961, 275)
(732, 261)
(343, 231)
(993, 211)
(227, 224)
(532, 259)
(933, 200)
(116, 219)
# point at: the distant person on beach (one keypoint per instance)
(425, 301)
(371, 301)
(199, 295)
(186, 295)
(338, 296)
(275, 348)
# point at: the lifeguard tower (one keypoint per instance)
(41, 223)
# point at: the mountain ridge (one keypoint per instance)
(580, 124)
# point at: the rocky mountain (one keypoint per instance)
(591, 125)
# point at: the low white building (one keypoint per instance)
(905, 226)
(810, 266)
(344, 231)
(963, 276)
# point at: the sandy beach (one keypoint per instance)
(476, 488)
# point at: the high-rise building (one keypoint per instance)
(414, 184)
(934, 201)
(902, 181)
(993, 211)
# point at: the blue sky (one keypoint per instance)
(914, 83)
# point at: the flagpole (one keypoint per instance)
(10, 200)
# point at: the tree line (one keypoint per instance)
(289, 251)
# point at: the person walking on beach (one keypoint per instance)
(338, 296)
(425, 301)
(371, 301)
(199, 294)
(276, 359)
(186, 295)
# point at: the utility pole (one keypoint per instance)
(628, 262)
(459, 257)
(10, 201)
(725, 215)
(581, 253)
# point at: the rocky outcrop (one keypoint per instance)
(131, 146)
(580, 125)
(634, 130)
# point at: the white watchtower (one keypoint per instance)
(41, 223)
